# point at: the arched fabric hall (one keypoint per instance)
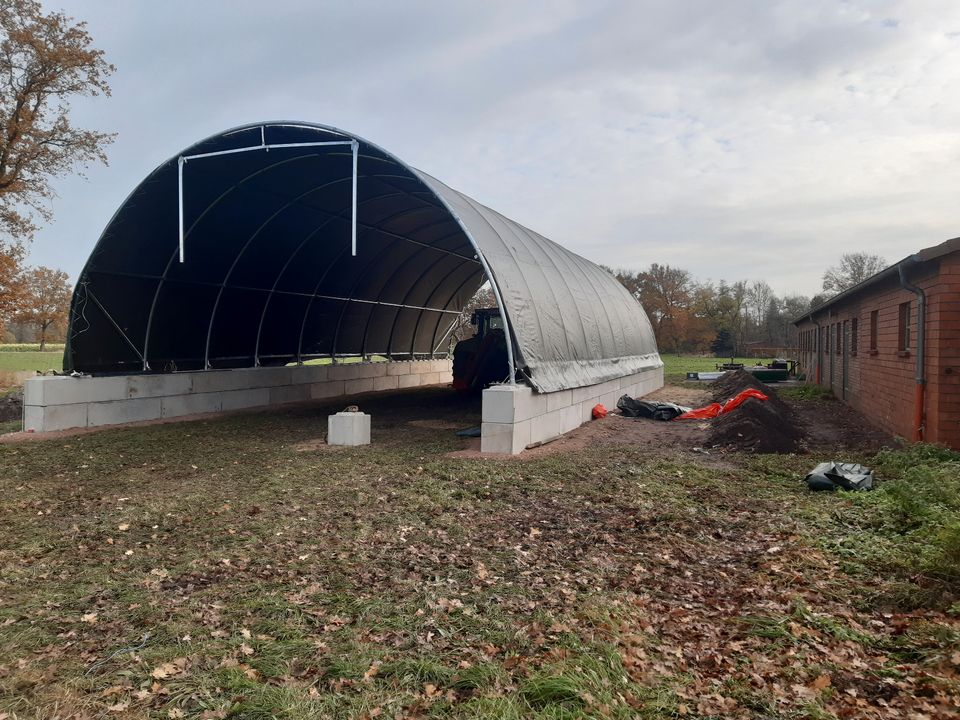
(276, 243)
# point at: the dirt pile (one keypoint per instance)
(760, 426)
(11, 406)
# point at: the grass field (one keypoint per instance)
(236, 568)
(676, 367)
(16, 361)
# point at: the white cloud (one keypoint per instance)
(747, 140)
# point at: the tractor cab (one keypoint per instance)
(481, 360)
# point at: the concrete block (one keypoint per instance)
(441, 365)
(309, 374)
(430, 378)
(240, 379)
(504, 438)
(117, 412)
(578, 395)
(570, 418)
(151, 386)
(372, 370)
(348, 428)
(190, 404)
(289, 394)
(55, 417)
(33, 391)
(344, 371)
(331, 388)
(399, 368)
(408, 381)
(33, 418)
(537, 406)
(557, 400)
(545, 427)
(586, 411)
(239, 399)
(445, 377)
(360, 385)
(387, 382)
(610, 399)
(63, 390)
(507, 403)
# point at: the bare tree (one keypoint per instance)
(759, 295)
(482, 298)
(45, 61)
(853, 269)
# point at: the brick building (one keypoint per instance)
(890, 346)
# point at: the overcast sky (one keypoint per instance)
(738, 140)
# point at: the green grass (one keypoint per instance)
(676, 367)
(31, 347)
(17, 361)
(353, 359)
(234, 568)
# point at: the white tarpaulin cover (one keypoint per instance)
(269, 278)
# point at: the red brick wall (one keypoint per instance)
(881, 384)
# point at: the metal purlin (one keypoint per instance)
(306, 240)
(276, 281)
(416, 256)
(433, 340)
(176, 251)
(425, 246)
(360, 277)
(236, 260)
(416, 327)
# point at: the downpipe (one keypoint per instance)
(819, 375)
(918, 402)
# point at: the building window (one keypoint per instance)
(873, 330)
(839, 341)
(854, 333)
(903, 328)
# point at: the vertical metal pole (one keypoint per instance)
(180, 164)
(355, 146)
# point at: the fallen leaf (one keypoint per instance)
(123, 527)
(821, 682)
(89, 618)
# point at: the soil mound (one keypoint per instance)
(762, 426)
(11, 406)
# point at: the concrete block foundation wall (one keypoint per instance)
(516, 417)
(61, 402)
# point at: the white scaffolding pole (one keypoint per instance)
(354, 147)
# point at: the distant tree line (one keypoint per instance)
(725, 319)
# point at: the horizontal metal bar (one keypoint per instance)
(217, 153)
(293, 293)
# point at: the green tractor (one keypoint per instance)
(481, 360)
